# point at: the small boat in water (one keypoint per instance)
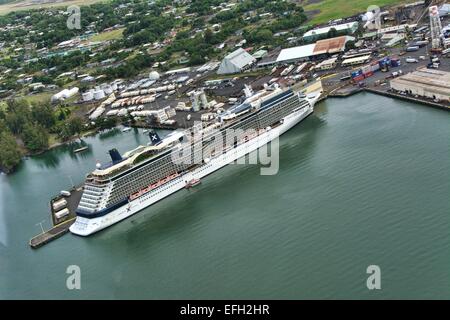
(192, 183)
(126, 129)
(81, 149)
(145, 131)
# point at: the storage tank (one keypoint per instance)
(99, 94)
(87, 96)
(71, 92)
(154, 75)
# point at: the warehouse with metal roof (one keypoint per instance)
(296, 53)
(430, 83)
(348, 28)
(237, 61)
(321, 47)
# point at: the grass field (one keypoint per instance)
(336, 9)
(38, 97)
(110, 35)
(28, 5)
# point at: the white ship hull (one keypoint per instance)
(85, 226)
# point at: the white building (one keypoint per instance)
(236, 62)
(348, 28)
(430, 83)
(296, 53)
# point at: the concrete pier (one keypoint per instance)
(60, 225)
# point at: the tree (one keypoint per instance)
(261, 36)
(10, 154)
(209, 36)
(42, 113)
(107, 123)
(35, 137)
(63, 131)
(350, 45)
(332, 33)
(18, 114)
(75, 126)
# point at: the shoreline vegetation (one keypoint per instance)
(31, 129)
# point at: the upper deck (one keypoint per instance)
(230, 118)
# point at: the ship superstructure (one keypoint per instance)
(148, 174)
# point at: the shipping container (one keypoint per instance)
(368, 74)
(395, 63)
(375, 67)
(366, 69)
(356, 73)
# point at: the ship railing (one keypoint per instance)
(86, 204)
(93, 189)
(96, 201)
(90, 196)
(85, 208)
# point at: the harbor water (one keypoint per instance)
(363, 181)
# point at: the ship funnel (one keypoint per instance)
(154, 138)
(115, 156)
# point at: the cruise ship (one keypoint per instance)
(139, 178)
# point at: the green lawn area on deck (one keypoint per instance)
(109, 35)
(336, 9)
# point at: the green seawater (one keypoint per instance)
(363, 181)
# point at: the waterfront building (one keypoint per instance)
(429, 83)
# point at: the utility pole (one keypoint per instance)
(40, 224)
(71, 181)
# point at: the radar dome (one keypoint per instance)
(154, 75)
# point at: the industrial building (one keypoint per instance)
(356, 60)
(258, 55)
(429, 83)
(347, 28)
(235, 62)
(321, 47)
(326, 64)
